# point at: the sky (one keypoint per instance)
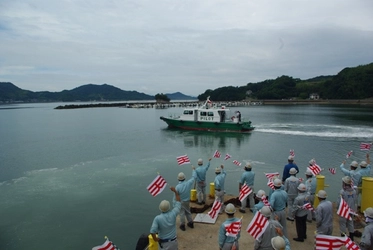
(187, 46)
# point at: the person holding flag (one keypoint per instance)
(364, 171)
(287, 168)
(183, 189)
(219, 185)
(348, 194)
(366, 242)
(230, 230)
(311, 190)
(247, 178)
(261, 196)
(164, 224)
(278, 203)
(201, 181)
(324, 214)
(352, 172)
(300, 214)
(264, 241)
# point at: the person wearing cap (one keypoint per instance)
(226, 242)
(201, 181)
(183, 188)
(352, 172)
(364, 171)
(219, 185)
(300, 213)
(280, 242)
(272, 190)
(291, 187)
(311, 190)
(324, 214)
(164, 224)
(366, 242)
(348, 194)
(278, 203)
(287, 168)
(260, 195)
(264, 241)
(247, 178)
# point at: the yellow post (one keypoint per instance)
(212, 190)
(152, 244)
(193, 195)
(320, 185)
(366, 193)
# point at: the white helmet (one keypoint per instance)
(278, 243)
(260, 193)
(369, 212)
(290, 158)
(277, 182)
(293, 171)
(200, 162)
(347, 180)
(354, 164)
(322, 194)
(308, 172)
(217, 170)
(248, 165)
(265, 211)
(312, 161)
(363, 164)
(181, 176)
(230, 209)
(302, 187)
(164, 206)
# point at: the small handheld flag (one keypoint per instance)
(244, 192)
(333, 170)
(108, 245)
(292, 152)
(184, 159)
(227, 156)
(344, 210)
(365, 146)
(257, 225)
(237, 163)
(315, 169)
(349, 154)
(157, 186)
(217, 154)
(215, 209)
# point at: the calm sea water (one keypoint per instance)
(70, 177)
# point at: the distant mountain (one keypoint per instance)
(180, 96)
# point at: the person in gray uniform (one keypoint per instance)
(311, 190)
(278, 203)
(348, 194)
(264, 241)
(201, 181)
(219, 186)
(300, 213)
(247, 178)
(291, 187)
(324, 214)
(366, 242)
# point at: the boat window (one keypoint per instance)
(210, 113)
(203, 113)
(188, 112)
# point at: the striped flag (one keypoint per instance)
(181, 160)
(350, 245)
(333, 170)
(257, 225)
(365, 146)
(315, 169)
(237, 163)
(300, 179)
(215, 209)
(217, 154)
(108, 245)
(344, 210)
(244, 192)
(227, 156)
(271, 184)
(349, 154)
(271, 175)
(157, 186)
(308, 206)
(292, 152)
(265, 201)
(233, 228)
(329, 242)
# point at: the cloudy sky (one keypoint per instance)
(189, 46)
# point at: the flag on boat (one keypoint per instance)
(365, 146)
(292, 152)
(157, 185)
(329, 242)
(315, 169)
(237, 163)
(215, 209)
(233, 228)
(244, 192)
(184, 159)
(227, 156)
(217, 154)
(265, 201)
(349, 154)
(333, 170)
(344, 210)
(257, 225)
(108, 245)
(308, 206)
(271, 175)
(350, 245)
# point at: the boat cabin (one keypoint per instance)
(204, 114)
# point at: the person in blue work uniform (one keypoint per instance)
(352, 172)
(259, 195)
(364, 171)
(183, 188)
(348, 194)
(366, 242)
(247, 178)
(324, 214)
(291, 187)
(278, 203)
(311, 190)
(300, 213)
(227, 242)
(164, 224)
(201, 181)
(287, 168)
(219, 186)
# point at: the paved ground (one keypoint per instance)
(205, 236)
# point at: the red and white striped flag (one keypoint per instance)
(344, 210)
(333, 170)
(271, 175)
(365, 146)
(265, 201)
(308, 206)
(300, 179)
(217, 154)
(233, 228)
(292, 152)
(227, 156)
(350, 245)
(244, 192)
(271, 184)
(237, 163)
(349, 154)
(215, 209)
(324, 242)
(181, 160)
(257, 225)
(157, 186)
(108, 245)
(315, 169)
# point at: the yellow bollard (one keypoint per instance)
(193, 195)
(320, 185)
(152, 244)
(366, 193)
(212, 190)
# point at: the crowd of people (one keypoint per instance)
(286, 201)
